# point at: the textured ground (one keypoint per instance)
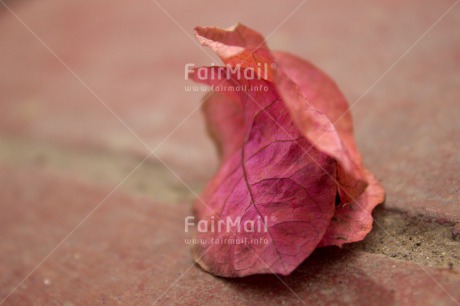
(89, 89)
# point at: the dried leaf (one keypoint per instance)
(287, 154)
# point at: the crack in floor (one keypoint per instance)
(412, 238)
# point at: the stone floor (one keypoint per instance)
(102, 151)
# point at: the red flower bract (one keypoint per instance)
(288, 160)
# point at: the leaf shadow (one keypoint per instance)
(329, 275)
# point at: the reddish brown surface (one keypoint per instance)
(132, 56)
(131, 250)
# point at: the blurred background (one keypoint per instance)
(90, 89)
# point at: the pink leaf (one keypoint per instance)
(287, 155)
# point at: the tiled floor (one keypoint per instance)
(89, 89)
